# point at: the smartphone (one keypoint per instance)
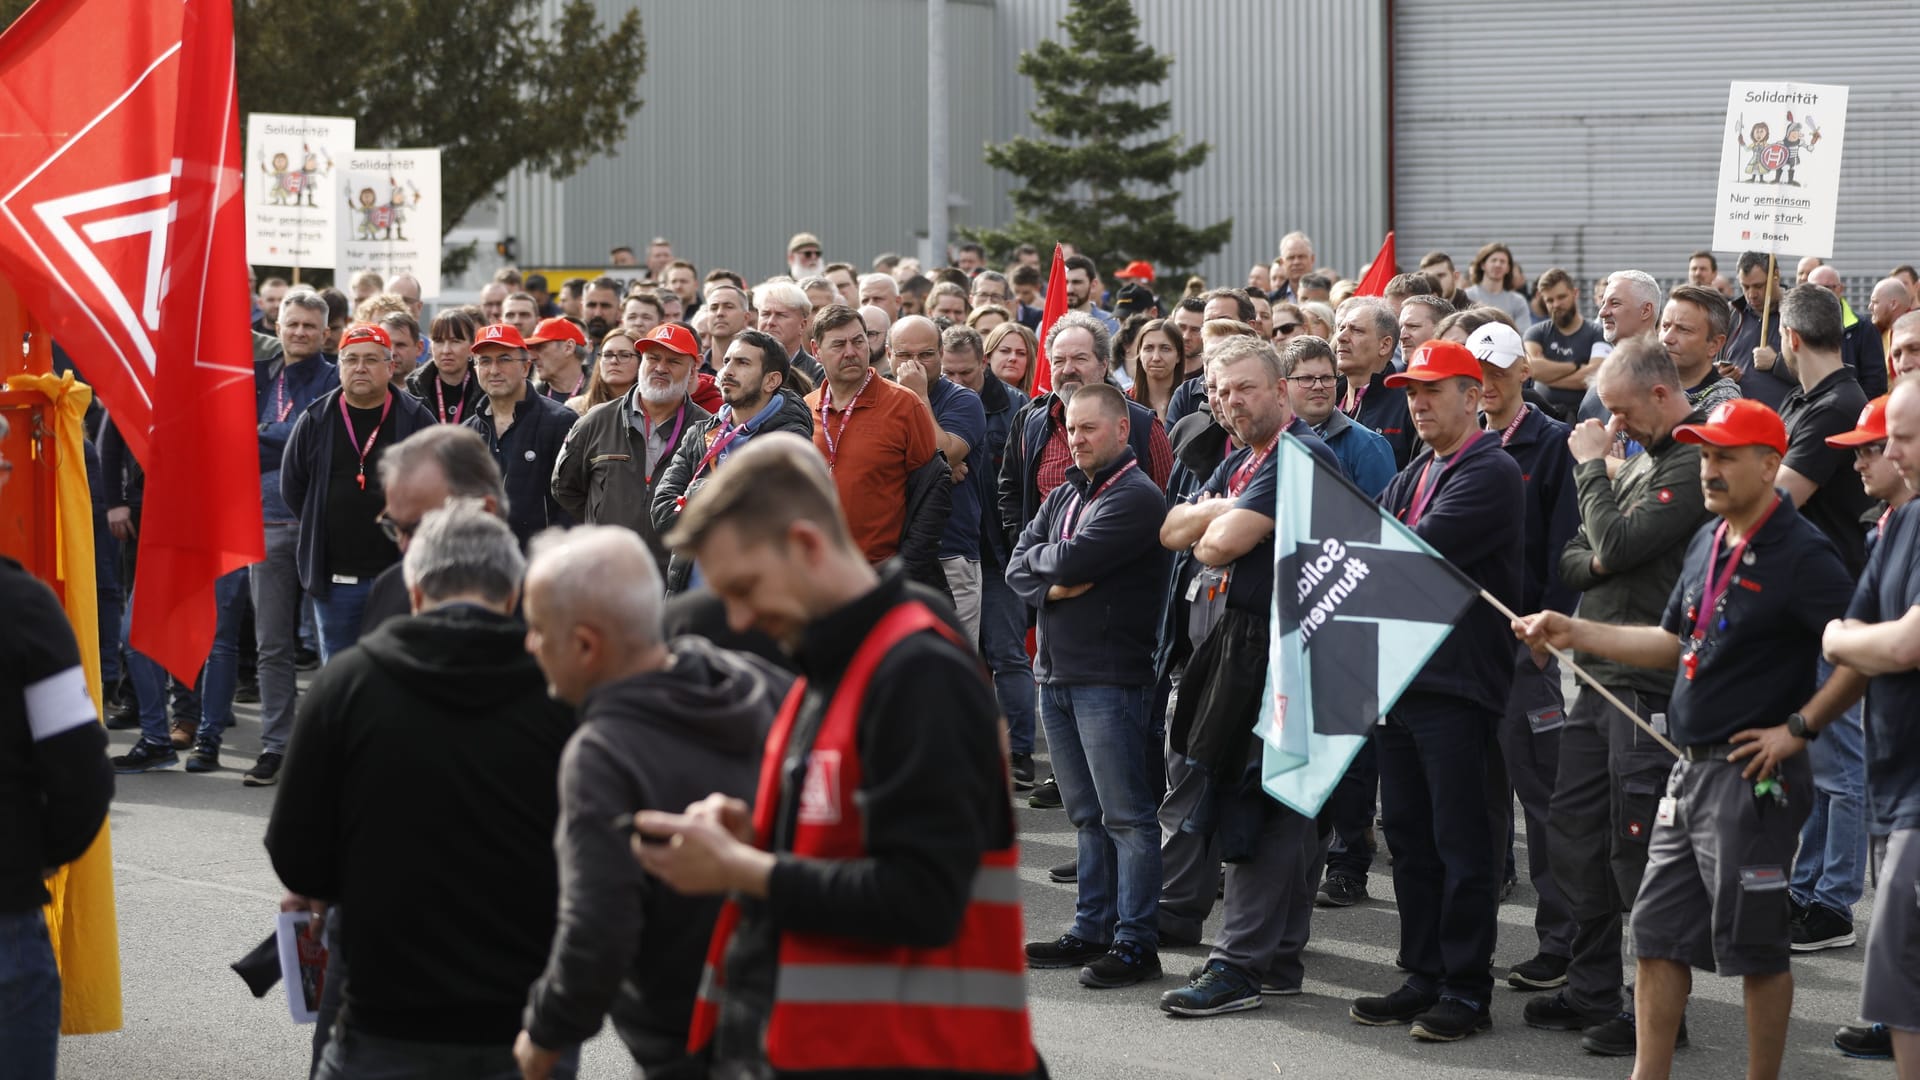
(623, 824)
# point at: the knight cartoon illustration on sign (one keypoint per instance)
(1764, 155)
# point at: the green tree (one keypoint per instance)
(489, 82)
(1098, 177)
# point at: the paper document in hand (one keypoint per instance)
(1360, 603)
(303, 963)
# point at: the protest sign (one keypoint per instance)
(292, 220)
(1780, 168)
(392, 202)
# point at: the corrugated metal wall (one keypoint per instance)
(765, 119)
(1289, 92)
(1588, 136)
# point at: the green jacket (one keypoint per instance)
(1638, 525)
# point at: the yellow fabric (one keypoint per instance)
(81, 919)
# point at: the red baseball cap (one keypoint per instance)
(1871, 428)
(498, 334)
(1137, 269)
(1437, 360)
(556, 329)
(672, 337)
(1740, 422)
(369, 334)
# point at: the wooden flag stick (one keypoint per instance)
(1766, 305)
(1581, 673)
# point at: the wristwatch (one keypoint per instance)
(1797, 727)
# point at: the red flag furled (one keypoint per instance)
(1379, 271)
(121, 227)
(1056, 307)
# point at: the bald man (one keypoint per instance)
(1889, 300)
(1861, 346)
(1803, 273)
(959, 427)
(662, 725)
(878, 323)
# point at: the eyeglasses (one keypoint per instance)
(1871, 450)
(395, 530)
(808, 253)
(1285, 327)
(623, 357)
(492, 359)
(1314, 380)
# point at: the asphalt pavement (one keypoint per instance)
(195, 892)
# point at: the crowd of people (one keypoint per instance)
(708, 626)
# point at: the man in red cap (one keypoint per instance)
(1436, 748)
(1879, 474)
(1742, 629)
(557, 347)
(524, 430)
(1138, 270)
(615, 456)
(330, 476)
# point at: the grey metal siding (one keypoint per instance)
(1292, 95)
(764, 119)
(1588, 136)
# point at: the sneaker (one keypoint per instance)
(1543, 972)
(1221, 988)
(183, 733)
(1399, 1007)
(1065, 951)
(1023, 770)
(1556, 1013)
(1339, 890)
(1128, 962)
(123, 715)
(204, 759)
(247, 693)
(146, 757)
(1615, 1038)
(265, 771)
(1066, 873)
(1046, 796)
(1268, 987)
(1452, 1019)
(1823, 928)
(1872, 1042)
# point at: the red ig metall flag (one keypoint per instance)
(121, 226)
(1056, 306)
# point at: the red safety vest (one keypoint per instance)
(847, 1003)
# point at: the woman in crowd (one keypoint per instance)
(1010, 351)
(1496, 283)
(986, 318)
(1158, 360)
(614, 373)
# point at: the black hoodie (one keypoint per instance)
(420, 792)
(657, 741)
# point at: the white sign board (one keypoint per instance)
(1780, 168)
(391, 199)
(293, 216)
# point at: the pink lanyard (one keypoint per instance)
(673, 437)
(440, 396)
(1069, 519)
(354, 436)
(1712, 591)
(1243, 475)
(826, 431)
(1423, 492)
(282, 404)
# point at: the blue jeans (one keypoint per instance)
(339, 615)
(275, 585)
(1099, 738)
(149, 689)
(29, 997)
(355, 1055)
(1833, 843)
(222, 672)
(1003, 641)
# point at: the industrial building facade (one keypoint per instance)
(1584, 135)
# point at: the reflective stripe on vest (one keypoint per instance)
(844, 1003)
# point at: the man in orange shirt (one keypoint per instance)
(873, 433)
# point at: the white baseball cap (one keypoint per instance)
(1498, 344)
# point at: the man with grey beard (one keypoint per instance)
(617, 453)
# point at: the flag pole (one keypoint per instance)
(1766, 305)
(1581, 672)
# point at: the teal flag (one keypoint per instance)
(1360, 603)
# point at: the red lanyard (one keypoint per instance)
(1712, 590)
(440, 396)
(1506, 436)
(826, 431)
(1352, 409)
(354, 436)
(1243, 475)
(1074, 510)
(673, 437)
(1423, 492)
(282, 404)
(719, 447)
